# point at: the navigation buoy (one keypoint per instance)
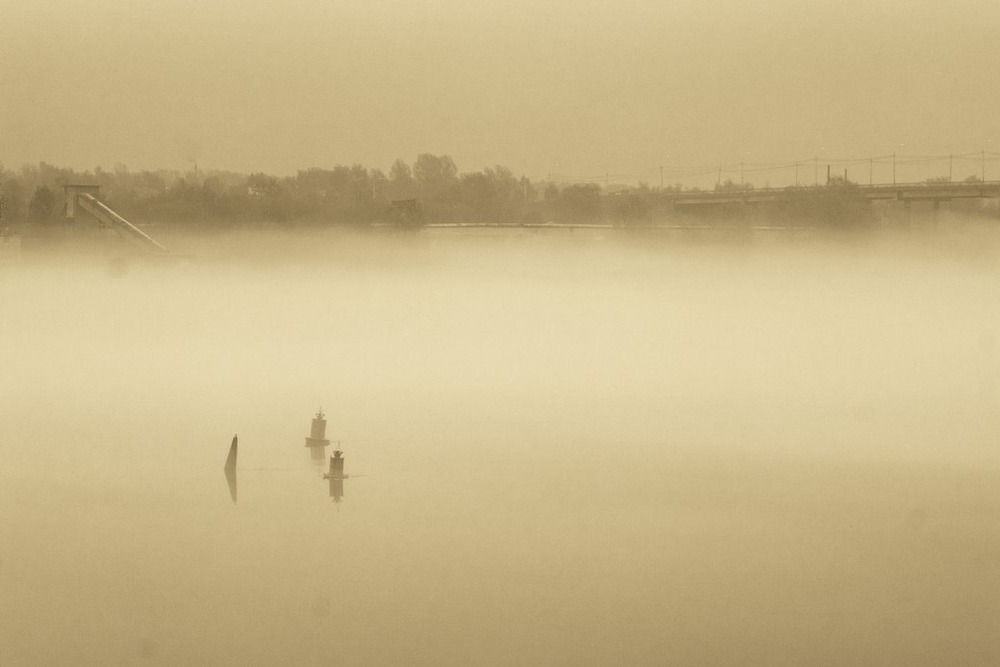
(317, 441)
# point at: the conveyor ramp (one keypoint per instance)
(123, 227)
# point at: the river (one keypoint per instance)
(561, 450)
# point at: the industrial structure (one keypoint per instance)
(83, 205)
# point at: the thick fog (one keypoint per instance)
(575, 89)
(562, 448)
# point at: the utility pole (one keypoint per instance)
(951, 159)
(718, 181)
(661, 177)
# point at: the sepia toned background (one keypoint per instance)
(575, 442)
(572, 89)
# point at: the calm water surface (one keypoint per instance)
(562, 451)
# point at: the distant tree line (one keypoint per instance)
(431, 186)
(431, 189)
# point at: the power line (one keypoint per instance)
(792, 168)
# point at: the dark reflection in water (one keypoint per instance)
(336, 476)
(337, 489)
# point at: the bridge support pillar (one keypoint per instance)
(72, 190)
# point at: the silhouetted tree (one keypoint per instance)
(580, 202)
(729, 186)
(437, 183)
(491, 194)
(435, 175)
(13, 199)
(262, 185)
(42, 206)
(628, 208)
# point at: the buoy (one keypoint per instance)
(317, 442)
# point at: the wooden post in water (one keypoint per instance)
(230, 469)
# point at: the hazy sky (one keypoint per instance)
(574, 88)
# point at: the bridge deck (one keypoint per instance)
(897, 191)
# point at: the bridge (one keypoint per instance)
(903, 192)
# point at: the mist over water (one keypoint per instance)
(562, 448)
